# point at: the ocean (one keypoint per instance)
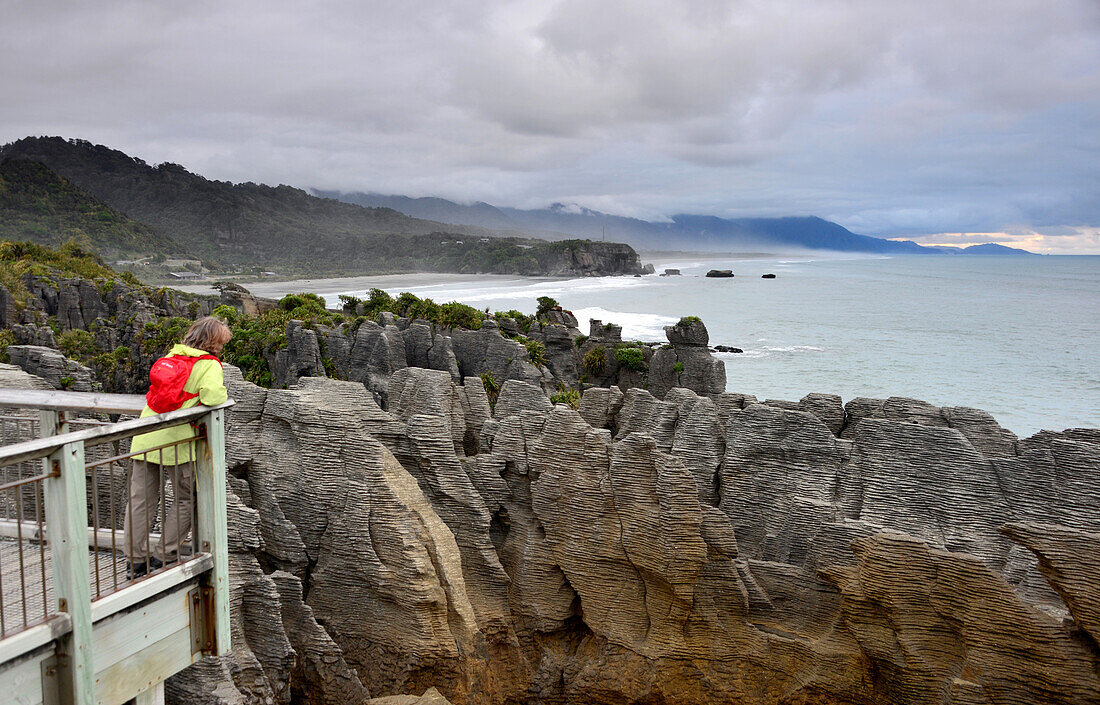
(1016, 336)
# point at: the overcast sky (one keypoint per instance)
(945, 121)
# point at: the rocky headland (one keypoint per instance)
(397, 526)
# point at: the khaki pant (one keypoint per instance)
(146, 490)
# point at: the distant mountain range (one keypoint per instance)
(280, 228)
(681, 232)
(52, 189)
(989, 248)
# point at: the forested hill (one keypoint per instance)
(38, 206)
(287, 229)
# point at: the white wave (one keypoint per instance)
(476, 292)
(636, 326)
(770, 350)
(741, 355)
(795, 348)
(679, 265)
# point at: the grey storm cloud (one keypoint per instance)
(893, 118)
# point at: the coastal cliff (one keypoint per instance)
(116, 328)
(409, 528)
(686, 550)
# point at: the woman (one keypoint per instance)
(204, 339)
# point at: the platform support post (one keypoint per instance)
(213, 538)
(67, 526)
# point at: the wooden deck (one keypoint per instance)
(34, 579)
(75, 629)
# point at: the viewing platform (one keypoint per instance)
(76, 624)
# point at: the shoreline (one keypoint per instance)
(278, 287)
(336, 285)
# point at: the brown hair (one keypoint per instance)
(205, 332)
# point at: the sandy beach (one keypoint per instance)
(277, 288)
(330, 287)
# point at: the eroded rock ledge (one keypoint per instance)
(691, 549)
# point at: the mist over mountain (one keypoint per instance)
(330, 233)
(704, 233)
(290, 230)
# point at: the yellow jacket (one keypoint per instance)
(206, 381)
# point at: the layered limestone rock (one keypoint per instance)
(686, 361)
(300, 358)
(941, 626)
(368, 576)
(52, 366)
(14, 377)
(486, 351)
(1070, 560)
(675, 545)
(641, 550)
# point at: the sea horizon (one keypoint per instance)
(947, 330)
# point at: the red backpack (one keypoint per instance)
(166, 380)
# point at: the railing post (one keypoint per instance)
(212, 531)
(67, 526)
(52, 423)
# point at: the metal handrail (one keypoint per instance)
(41, 447)
(72, 401)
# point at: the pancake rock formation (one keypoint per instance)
(691, 549)
(685, 550)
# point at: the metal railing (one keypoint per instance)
(27, 554)
(71, 533)
(25, 565)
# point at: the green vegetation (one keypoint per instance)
(72, 259)
(595, 361)
(38, 206)
(256, 338)
(492, 388)
(106, 364)
(451, 314)
(6, 338)
(564, 395)
(581, 340)
(630, 357)
(350, 304)
(546, 304)
(688, 320)
(536, 351)
(226, 313)
(77, 344)
(678, 368)
(158, 337)
(523, 321)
